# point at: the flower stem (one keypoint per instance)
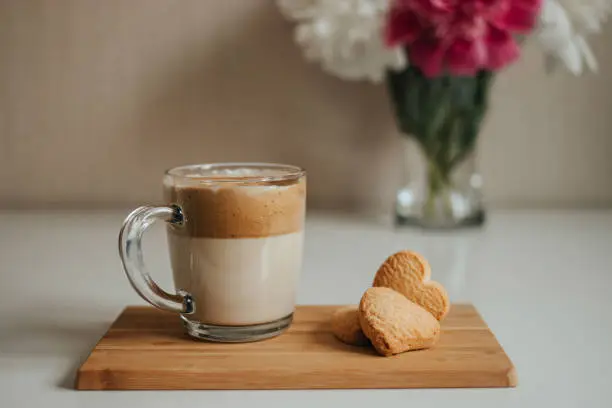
(438, 193)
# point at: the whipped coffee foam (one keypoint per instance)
(236, 211)
(206, 173)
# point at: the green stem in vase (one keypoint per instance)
(438, 193)
(439, 190)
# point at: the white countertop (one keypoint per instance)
(541, 280)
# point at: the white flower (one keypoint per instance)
(564, 26)
(345, 36)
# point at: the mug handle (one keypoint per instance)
(130, 251)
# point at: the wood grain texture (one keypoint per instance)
(146, 348)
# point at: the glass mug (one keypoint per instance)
(235, 236)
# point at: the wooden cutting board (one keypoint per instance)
(146, 349)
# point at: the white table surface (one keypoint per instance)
(541, 280)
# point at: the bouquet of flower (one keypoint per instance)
(439, 59)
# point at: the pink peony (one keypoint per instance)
(461, 36)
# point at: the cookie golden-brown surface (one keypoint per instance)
(394, 324)
(408, 273)
(346, 327)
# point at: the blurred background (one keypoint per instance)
(97, 98)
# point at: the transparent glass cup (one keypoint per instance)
(235, 237)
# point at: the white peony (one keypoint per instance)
(345, 36)
(564, 27)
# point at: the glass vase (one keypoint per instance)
(434, 197)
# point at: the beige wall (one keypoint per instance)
(98, 97)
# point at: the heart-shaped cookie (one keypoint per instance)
(409, 274)
(394, 324)
(346, 327)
